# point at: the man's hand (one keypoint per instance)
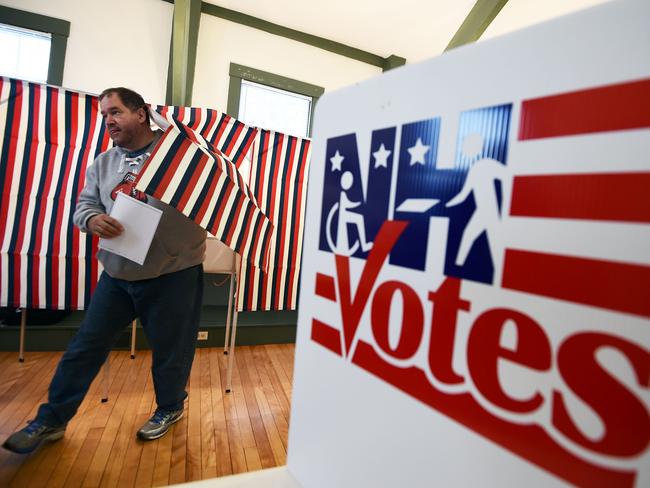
(104, 226)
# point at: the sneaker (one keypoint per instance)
(29, 438)
(158, 425)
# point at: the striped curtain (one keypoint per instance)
(186, 172)
(278, 179)
(230, 136)
(48, 137)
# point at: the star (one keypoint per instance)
(417, 152)
(381, 156)
(337, 160)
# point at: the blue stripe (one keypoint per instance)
(203, 130)
(40, 187)
(4, 166)
(245, 212)
(22, 183)
(72, 196)
(52, 231)
(211, 223)
(184, 184)
(291, 258)
(158, 176)
(204, 193)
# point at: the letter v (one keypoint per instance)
(352, 308)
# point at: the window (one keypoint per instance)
(271, 101)
(272, 108)
(32, 46)
(26, 53)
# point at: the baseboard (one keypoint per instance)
(254, 328)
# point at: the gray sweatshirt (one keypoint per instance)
(178, 243)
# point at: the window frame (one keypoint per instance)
(59, 30)
(238, 73)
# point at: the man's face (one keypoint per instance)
(124, 125)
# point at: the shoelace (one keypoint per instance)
(160, 417)
(34, 427)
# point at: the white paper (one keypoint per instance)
(140, 222)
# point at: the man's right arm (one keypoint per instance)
(90, 214)
(89, 203)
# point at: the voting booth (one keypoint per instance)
(474, 306)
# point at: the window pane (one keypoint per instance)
(271, 108)
(25, 53)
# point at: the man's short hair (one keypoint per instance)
(129, 98)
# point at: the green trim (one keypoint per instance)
(29, 20)
(58, 28)
(272, 327)
(279, 30)
(185, 31)
(57, 59)
(276, 81)
(478, 19)
(238, 72)
(56, 338)
(392, 62)
(234, 94)
(296, 35)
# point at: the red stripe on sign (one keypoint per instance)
(605, 284)
(325, 287)
(326, 336)
(606, 108)
(619, 197)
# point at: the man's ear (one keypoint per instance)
(142, 115)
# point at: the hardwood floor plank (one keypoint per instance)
(252, 391)
(237, 454)
(261, 439)
(193, 453)
(222, 447)
(145, 404)
(208, 449)
(126, 431)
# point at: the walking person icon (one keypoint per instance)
(480, 182)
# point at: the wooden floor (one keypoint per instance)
(221, 433)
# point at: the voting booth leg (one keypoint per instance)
(21, 346)
(231, 351)
(133, 332)
(231, 355)
(106, 378)
(229, 317)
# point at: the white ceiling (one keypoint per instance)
(414, 29)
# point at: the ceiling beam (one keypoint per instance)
(478, 19)
(182, 62)
(295, 35)
(392, 62)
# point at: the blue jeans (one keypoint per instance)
(169, 308)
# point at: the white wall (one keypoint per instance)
(112, 43)
(222, 42)
(517, 14)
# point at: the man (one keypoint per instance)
(165, 292)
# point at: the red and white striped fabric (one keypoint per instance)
(580, 197)
(48, 136)
(278, 179)
(205, 186)
(230, 136)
